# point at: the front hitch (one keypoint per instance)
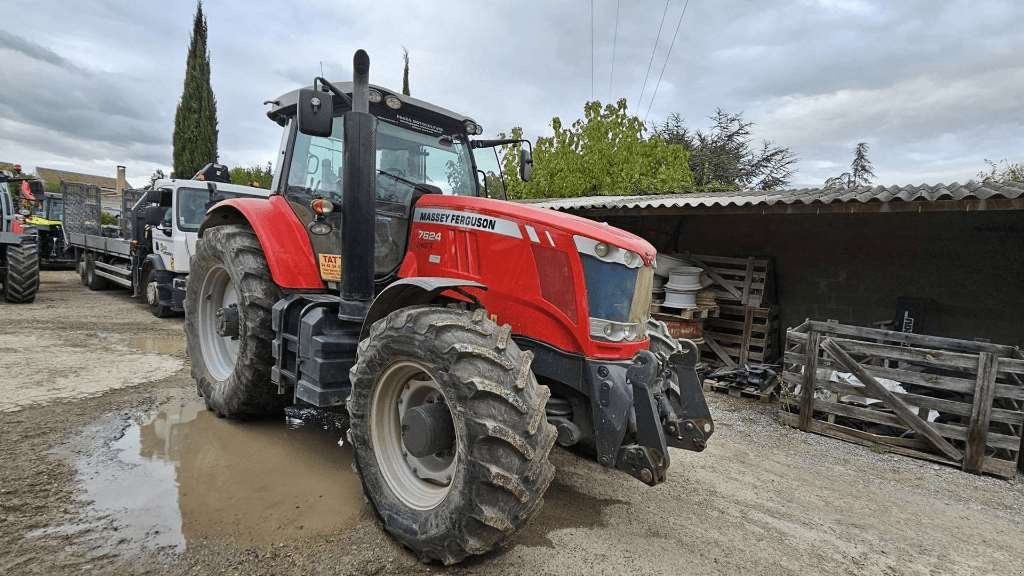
(669, 410)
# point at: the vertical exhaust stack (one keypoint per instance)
(359, 180)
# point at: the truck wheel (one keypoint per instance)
(151, 295)
(22, 280)
(92, 280)
(449, 431)
(83, 269)
(228, 328)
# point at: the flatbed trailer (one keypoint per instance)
(148, 252)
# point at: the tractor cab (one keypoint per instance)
(421, 149)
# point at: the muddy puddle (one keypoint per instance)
(182, 475)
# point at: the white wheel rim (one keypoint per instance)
(219, 352)
(421, 483)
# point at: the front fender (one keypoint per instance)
(282, 236)
(411, 292)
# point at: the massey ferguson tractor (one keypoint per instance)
(464, 335)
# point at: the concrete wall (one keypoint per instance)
(852, 267)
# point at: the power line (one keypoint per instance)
(657, 39)
(615, 37)
(667, 56)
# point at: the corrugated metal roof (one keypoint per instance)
(805, 196)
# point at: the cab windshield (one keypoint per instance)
(402, 155)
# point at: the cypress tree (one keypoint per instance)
(405, 72)
(195, 122)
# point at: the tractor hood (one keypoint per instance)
(526, 214)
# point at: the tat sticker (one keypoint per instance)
(330, 267)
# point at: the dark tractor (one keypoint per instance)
(19, 252)
(463, 335)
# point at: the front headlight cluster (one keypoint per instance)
(616, 331)
(618, 290)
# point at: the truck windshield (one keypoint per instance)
(192, 208)
(443, 161)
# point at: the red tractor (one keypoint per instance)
(464, 335)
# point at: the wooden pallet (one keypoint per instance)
(742, 335)
(957, 402)
(743, 281)
(699, 313)
(737, 391)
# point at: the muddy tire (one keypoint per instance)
(22, 280)
(500, 468)
(232, 375)
(151, 296)
(92, 280)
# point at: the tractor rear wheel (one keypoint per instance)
(228, 328)
(449, 431)
(22, 280)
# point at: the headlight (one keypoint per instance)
(473, 128)
(375, 96)
(393, 102)
(601, 250)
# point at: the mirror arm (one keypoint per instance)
(333, 89)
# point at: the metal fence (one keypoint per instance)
(128, 200)
(82, 207)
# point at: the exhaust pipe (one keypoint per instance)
(359, 194)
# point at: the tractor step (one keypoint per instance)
(313, 349)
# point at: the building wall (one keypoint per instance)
(852, 267)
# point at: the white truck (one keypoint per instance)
(148, 252)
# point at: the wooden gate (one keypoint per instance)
(953, 401)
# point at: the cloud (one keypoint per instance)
(935, 87)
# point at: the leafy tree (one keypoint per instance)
(1002, 172)
(255, 175)
(724, 158)
(195, 122)
(605, 152)
(405, 72)
(157, 174)
(861, 171)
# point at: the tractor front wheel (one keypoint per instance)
(449, 431)
(22, 280)
(228, 328)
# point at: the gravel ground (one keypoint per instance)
(96, 406)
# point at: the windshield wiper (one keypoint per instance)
(399, 178)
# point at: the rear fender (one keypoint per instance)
(412, 292)
(282, 236)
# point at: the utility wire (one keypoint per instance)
(615, 37)
(667, 56)
(657, 39)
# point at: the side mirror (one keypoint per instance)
(525, 164)
(315, 112)
(153, 215)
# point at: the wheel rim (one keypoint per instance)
(219, 352)
(421, 483)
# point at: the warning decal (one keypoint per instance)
(330, 267)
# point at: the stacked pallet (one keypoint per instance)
(746, 329)
(956, 402)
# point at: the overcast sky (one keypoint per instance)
(935, 87)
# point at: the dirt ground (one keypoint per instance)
(108, 465)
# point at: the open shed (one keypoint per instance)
(955, 252)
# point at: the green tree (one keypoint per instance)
(1002, 172)
(861, 171)
(724, 157)
(195, 122)
(405, 72)
(255, 175)
(604, 153)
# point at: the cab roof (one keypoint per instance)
(283, 107)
